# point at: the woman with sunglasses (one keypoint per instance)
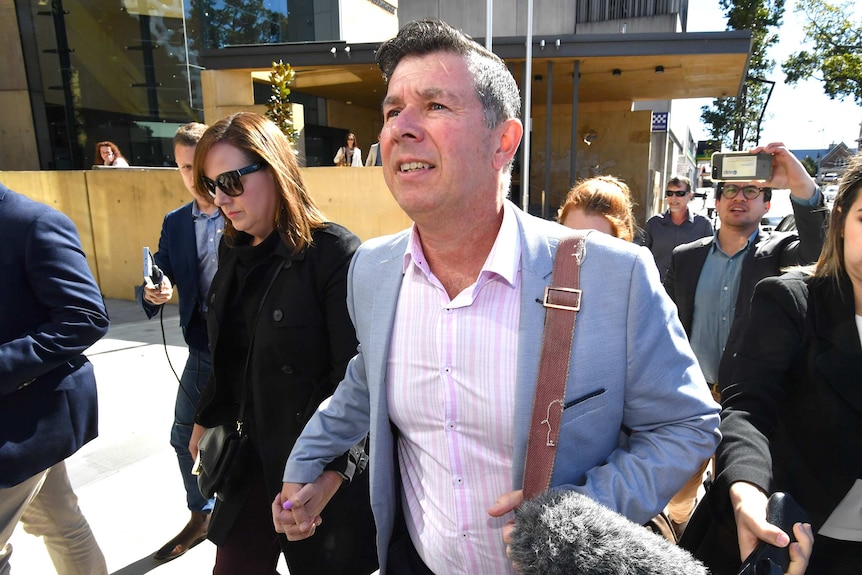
(349, 154)
(281, 339)
(792, 418)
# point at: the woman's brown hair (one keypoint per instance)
(296, 215)
(605, 196)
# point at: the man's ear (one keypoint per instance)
(510, 133)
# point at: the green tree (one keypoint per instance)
(836, 59)
(278, 108)
(736, 121)
(810, 165)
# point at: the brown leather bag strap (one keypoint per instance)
(562, 301)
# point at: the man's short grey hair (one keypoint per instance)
(495, 86)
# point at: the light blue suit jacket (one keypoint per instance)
(639, 418)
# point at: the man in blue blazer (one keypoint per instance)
(51, 310)
(449, 319)
(188, 257)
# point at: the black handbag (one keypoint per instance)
(223, 450)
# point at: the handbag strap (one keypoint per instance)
(273, 274)
(562, 301)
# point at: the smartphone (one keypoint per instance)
(151, 270)
(741, 166)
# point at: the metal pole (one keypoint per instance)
(489, 24)
(549, 102)
(528, 116)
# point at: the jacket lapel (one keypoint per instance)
(835, 323)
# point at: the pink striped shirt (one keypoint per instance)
(451, 389)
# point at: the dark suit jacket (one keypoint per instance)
(51, 310)
(303, 342)
(792, 417)
(178, 259)
(766, 256)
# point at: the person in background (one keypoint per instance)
(792, 418)
(188, 257)
(374, 158)
(349, 154)
(711, 280)
(676, 226)
(50, 312)
(601, 203)
(108, 154)
(449, 318)
(281, 337)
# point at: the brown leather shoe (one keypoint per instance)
(193, 533)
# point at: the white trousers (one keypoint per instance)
(48, 508)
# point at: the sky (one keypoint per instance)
(801, 116)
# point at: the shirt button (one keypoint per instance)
(463, 535)
(459, 481)
(447, 369)
(724, 288)
(450, 424)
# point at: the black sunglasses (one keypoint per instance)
(730, 191)
(229, 182)
(677, 193)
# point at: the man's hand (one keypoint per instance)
(158, 295)
(506, 503)
(788, 171)
(749, 508)
(300, 516)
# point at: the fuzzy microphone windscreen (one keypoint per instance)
(567, 533)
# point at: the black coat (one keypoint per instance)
(767, 255)
(792, 414)
(303, 342)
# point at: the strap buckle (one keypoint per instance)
(572, 305)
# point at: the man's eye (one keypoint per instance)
(392, 113)
(436, 106)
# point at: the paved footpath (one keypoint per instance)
(127, 479)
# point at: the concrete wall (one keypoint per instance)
(621, 149)
(18, 151)
(365, 21)
(118, 211)
(510, 16)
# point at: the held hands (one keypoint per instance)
(787, 171)
(296, 510)
(158, 295)
(749, 508)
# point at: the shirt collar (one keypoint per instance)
(197, 213)
(502, 261)
(751, 239)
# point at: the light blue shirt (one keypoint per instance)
(208, 231)
(715, 305)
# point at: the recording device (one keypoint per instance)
(782, 511)
(567, 533)
(151, 270)
(741, 166)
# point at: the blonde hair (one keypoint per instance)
(605, 196)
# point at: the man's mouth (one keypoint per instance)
(413, 166)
